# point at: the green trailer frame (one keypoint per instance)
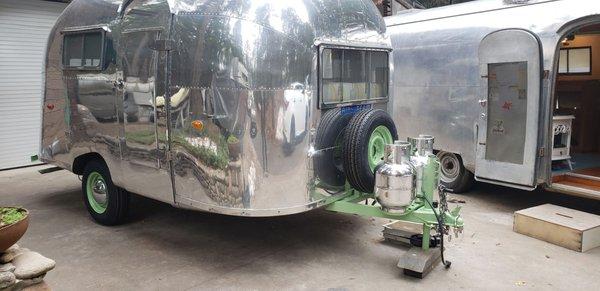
(418, 212)
(421, 210)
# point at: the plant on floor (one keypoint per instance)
(10, 215)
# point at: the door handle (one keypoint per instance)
(476, 133)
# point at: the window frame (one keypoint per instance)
(382, 99)
(568, 49)
(83, 32)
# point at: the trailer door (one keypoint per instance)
(146, 169)
(510, 66)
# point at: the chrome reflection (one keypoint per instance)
(220, 96)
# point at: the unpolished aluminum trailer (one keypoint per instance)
(480, 76)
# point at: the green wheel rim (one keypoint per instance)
(380, 137)
(97, 192)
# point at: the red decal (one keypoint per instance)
(507, 105)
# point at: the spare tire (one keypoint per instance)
(328, 162)
(364, 144)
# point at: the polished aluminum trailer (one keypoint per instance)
(452, 63)
(243, 107)
(233, 134)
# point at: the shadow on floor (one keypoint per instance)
(515, 199)
(226, 242)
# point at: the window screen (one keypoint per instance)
(575, 61)
(353, 75)
(73, 50)
(92, 49)
(83, 50)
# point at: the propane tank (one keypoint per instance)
(426, 166)
(395, 178)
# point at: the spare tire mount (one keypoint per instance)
(364, 144)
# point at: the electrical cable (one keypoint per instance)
(447, 264)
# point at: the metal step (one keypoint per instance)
(583, 176)
(576, 185)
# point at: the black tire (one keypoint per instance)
(116, 204)
(356, 141)
(328, 164)
(453, 174)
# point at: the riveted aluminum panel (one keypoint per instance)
(437, 80)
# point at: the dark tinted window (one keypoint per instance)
(83, 50)
(73, 50)
(92, 49)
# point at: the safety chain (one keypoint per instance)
(443, 199)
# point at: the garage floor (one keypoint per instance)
(167, 248)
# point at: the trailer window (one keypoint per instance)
(575, 61)
(378, 75)
(349, 75)
(83, 50)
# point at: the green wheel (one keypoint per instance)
(380, 137)
(105, 202)
(97, 192)
(364, 144)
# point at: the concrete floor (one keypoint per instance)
(167, 248)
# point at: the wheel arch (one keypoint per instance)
(80, 161)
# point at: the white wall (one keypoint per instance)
(24, 29)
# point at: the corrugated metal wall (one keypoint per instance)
(24, 29)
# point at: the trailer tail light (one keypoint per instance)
(198, 125)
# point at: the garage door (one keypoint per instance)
(24, 29)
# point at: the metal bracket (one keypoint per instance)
(417, 212)
(50, 170)
(417, 262)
